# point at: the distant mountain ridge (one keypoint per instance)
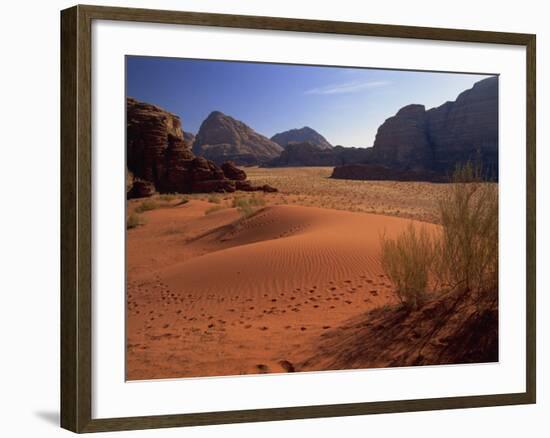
(301, 135)
(415, 141)
(309, 154)
(222, 138)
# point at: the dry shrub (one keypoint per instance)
(467, 253)
(463, 256)
(147, 205)
(168, 197)
(407, 261)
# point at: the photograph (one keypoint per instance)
(294, 218)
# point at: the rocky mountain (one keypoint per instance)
(159, 159)
(221, 138)
(305, 134)
(434, 141)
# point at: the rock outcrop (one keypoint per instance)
(305, 134)
(159, 158)
(140, 189)
(155, 143)
(434, 141)
(223, 138)
(233, 172)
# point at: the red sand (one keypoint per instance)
(218, 295)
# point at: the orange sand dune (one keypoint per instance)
(237, 296)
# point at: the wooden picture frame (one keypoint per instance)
(76, 196)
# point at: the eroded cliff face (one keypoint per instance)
(155, 144)
(435, 140)
(402, 140)
(159, 157)
(222, 138)
(467, 128)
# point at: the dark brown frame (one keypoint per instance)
(76, 308)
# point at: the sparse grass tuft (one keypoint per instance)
(133, 221)
(214, 199)
(147, 205)
(168, 197)
(247, 206)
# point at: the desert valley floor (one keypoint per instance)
(213, 292)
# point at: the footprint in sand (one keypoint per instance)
(262, 368)
(287, 366)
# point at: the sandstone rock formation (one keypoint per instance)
(140, 189)
(434, 141)
(189, 139)
(467, 128)
(402, 140)
(222, 138)
(305, 134)
(160, 159)
(233, 172)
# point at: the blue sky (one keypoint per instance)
(346, 105)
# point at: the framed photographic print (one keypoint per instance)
(268, 218)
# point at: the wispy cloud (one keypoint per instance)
(347, 87)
